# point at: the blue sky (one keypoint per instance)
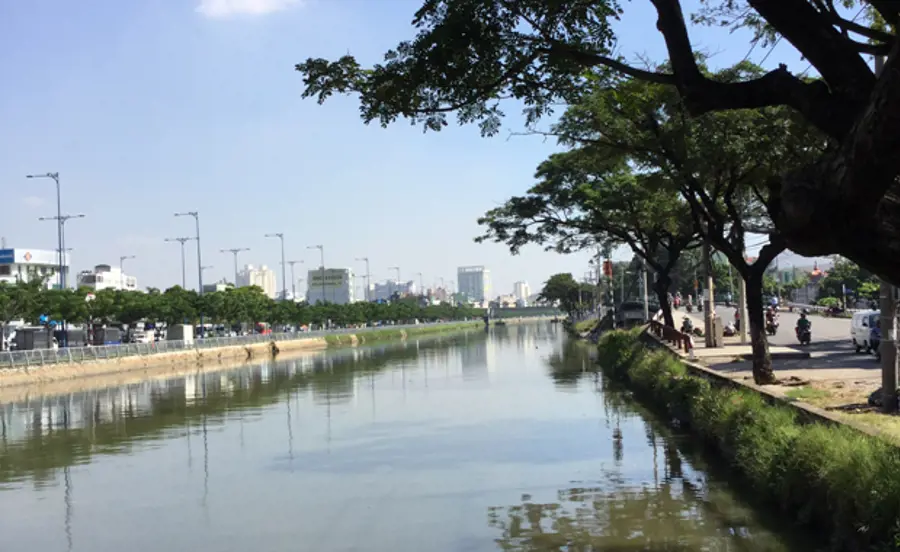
(148, 107)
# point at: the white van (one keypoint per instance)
(861, 329)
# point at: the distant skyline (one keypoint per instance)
(148, 108)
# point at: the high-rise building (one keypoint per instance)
(330, 285)
(474, 282)
(261, 277)
(521, 291)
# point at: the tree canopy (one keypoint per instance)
(571, 295)
(29, 301)
(469, 55)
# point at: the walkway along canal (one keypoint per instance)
(478, 441)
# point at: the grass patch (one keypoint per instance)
(831, 479)
(585, 325)
(390, 334)
(807, 394)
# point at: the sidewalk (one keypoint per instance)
(734, 349)
(827, 375)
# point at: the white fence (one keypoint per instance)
(66, 355)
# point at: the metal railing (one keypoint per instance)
(78, 355)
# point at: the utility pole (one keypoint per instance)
(397, 285)
(293, 279)
(60, 221)
(235, 252)
(183, 273)
(321, 249)
(368, 283)
(709, 301)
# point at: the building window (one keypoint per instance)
(5, 270)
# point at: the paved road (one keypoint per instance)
(823, 329)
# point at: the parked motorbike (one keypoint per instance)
(804, 336)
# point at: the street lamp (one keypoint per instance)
(196, 216)
(60, 236)
(366, 260)
(397, 284)
(235, 253)
(181, 241)
(280, 236)
(321, 249)
(293, 279)
(61, 223)
(122, 260)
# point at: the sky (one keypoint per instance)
(151, 107)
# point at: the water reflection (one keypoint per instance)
(43, 434)
(390, 448)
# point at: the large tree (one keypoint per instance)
(718, 163)
(589, 196)
(468, 55)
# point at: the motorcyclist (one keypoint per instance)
(771, 316)
(803, 324)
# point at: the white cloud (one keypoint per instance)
(33, 201)
(231, 8)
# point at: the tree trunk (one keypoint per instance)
(661, 287)
(762, 361)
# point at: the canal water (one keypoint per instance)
(500, 440)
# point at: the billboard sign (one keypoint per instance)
(332, 277)
(28, 256)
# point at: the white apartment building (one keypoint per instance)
(21, 265)
(474, 282)
(106, 277)
(261, 277)
(521, 291)
(330, 285)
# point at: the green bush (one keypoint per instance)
(826, 477)
(828, 302)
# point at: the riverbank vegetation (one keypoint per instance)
(30, 301)
(829, 478)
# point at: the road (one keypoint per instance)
(823, 329)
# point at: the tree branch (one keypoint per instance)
(814, 36)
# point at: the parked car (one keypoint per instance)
(861, 329)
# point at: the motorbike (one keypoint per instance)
(687, 327)
(689, 307)
(804, 336)
(729, 330)
(771, 327)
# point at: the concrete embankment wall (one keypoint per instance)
(162, 362)
(172, 364)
